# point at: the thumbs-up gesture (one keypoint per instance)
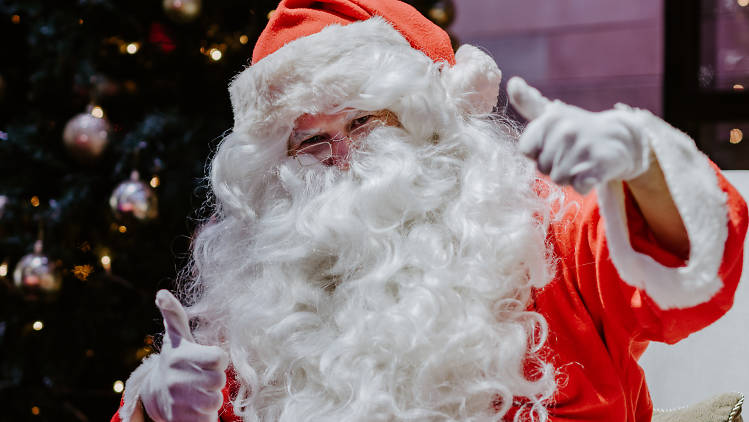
(578, 147)
(186, 383)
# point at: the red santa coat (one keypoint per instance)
(599, 325)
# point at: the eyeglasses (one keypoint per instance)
(322, 151)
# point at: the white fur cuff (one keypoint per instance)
(133, 387)
(702, 205)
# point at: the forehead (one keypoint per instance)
(311, 121)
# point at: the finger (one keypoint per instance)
(558, 147)
(533, 141)
(585, 175)
(195, 400)
(199, 357)
(175, 318)
(585, 181)
(568, 150)
(527, 100)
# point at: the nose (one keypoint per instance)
(340, 151)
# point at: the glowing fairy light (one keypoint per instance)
(97, 112)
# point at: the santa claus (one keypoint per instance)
(383, 248)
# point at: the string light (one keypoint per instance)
(89, 353)
(3, 269)
(132, 48)
(122, 229)
(736, 136)
(155, 182)
(35, 410)
(437, 14)
(106, 262)
(215, 54)
(743, 3)
(97, 112)
(244, 39)
(37, 325)
(270, 13)
(118, 386)
(34, 201)
(80, 21)
(15, 19)
(738, 87)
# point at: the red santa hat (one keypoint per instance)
(314, 56)
(294, 19)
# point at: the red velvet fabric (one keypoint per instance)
(599, 326)
(294, 19)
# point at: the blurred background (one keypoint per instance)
(109, 111)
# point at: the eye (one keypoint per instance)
(359, 121)
(312, 140)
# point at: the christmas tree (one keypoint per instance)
(109, 112)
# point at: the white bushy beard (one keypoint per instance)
(396, 290)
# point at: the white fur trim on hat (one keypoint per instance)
(702, 205)
(365, 60)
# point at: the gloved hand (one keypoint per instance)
(578, 147)
(186, 383)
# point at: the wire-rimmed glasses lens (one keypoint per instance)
(314, 154)
(322, 152)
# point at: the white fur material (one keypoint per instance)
(396, 290)
(473, 83)
(393, 291)
(129, 412)
(702, 205)
(340, 64)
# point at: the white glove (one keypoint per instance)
(575, 146)
(187, 380)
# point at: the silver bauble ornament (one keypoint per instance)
(182, 11)
(133, 198)
(86, 135)
(35, 275)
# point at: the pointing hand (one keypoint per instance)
(578, 147)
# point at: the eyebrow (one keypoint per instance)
(297, 136)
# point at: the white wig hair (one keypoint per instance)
(395, 290)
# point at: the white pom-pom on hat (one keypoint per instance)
(473, 82)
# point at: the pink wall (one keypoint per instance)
(591, 53)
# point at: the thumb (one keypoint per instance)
(527, 100)
(175, 318)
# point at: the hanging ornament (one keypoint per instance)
(442, 13)
(133, 198)
(86, 135)
(182, 11)
(36, 276)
